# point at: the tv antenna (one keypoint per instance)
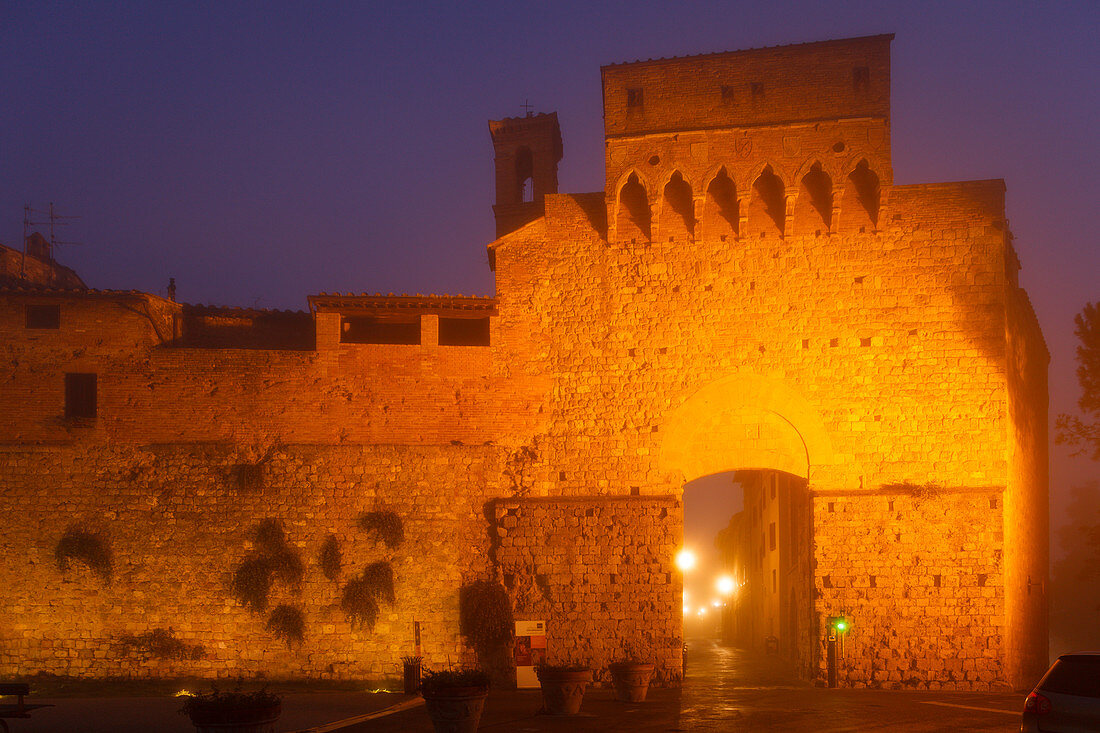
(37, 217)
(527, 107)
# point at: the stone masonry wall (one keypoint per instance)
(178, 524)
(919, 571)
(600, 572)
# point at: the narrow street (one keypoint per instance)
(728, 689)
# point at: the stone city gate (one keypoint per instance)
(754, 427)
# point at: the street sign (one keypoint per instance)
(529, 652)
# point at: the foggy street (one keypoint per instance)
(728, 689)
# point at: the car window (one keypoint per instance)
(1074, 676)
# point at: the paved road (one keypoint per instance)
(729, 690)
(725, 690)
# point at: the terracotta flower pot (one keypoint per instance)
(563, 690)
(456, 709)
(631, 680)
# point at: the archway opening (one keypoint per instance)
(720, 214)
(632, 220)
(677, 214)
(750, 588)
(768, 205)
(525, 175)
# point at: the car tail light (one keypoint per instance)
(1036, 703)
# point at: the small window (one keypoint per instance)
(756, 88)
(43, 316)
(463, 331)
(771, 536)
(381, 330)
(728, 94)
(775, 582)
(634, 98)
(80, 396)
(861, 78)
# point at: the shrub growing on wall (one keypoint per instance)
(385, 526)
(363, 594)
(272, 558)
(485, 619)
(330, 558)
(90, 548)
(162, 644)
(287, 623)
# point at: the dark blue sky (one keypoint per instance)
(262, 152)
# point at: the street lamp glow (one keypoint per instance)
(685, 560)
(716, 603)
(687, 609)
(703, 611)
(725, 585)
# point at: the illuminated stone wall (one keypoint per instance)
(919, 573)
(593, 568)
(751, 291)
(178, 525)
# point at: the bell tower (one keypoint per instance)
(527, 151)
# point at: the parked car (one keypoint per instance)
(1067, 699)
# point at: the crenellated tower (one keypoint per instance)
(770, 142)
(527, 151)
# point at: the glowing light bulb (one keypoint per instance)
(725, 585)
(685, 560)
(716, 603)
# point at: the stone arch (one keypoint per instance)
(767, 211)
(677, 217)
(632, 213)
(525, 174)
(813, 210)
(862, 196)
(721, 211)
(744, 421)
(748, 176)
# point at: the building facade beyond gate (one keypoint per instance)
(198, 490)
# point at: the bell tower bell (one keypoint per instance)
(527, 151)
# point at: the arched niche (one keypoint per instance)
(677, 210)
(720, 209)
(767, 205)
(862, 197)
(632, 219)
(813, 211)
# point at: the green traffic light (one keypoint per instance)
(841, 625)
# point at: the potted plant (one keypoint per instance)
(455, 698)
(631, 675)
(239, 712)
(631, 679)
(563, 687)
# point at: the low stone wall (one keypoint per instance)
(600, 571)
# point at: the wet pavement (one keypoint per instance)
(728, 689)
(725, 689)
